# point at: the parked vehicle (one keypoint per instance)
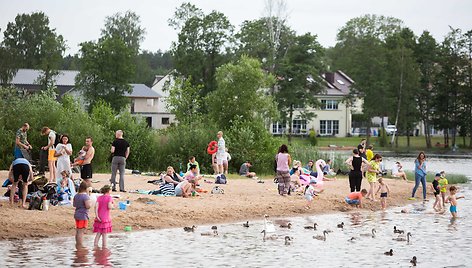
(390, 129)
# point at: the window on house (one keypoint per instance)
(149, 121)
(329, 127)
(298, 126)
(329, 104)
(165, 121)
(150, 102)
(277, 128)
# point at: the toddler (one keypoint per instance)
(453, 200)
(384, 191)
(443, 186)
(437, 193)
(102, 225)
(309, 193)
(82, 204)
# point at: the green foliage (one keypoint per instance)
(125, 27)
(29, 42)
(201, 44)
(382, 138)
(312, 137)
(240, 94)
(106, 71)
(306, 153)
(451, 178)
(185, 100)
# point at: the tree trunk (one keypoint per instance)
(290, 123)
(369, 126)
(427, 134)
(408, 137)
(399, 98)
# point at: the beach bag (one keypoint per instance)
(217, 190)
(220, 179)
(36, 200)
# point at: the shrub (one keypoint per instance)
(382, 138)
(313, 138)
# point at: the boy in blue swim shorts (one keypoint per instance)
(452, 198)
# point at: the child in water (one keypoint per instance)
(102, 225)
(384, 191)
(82, 204)
(443, 186)
(309, 193)
(437, 194)
(453, 200)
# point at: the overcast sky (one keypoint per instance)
(81, 20)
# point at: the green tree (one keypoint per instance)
(361, 52)
(202, 43)
(35, 45)
(403, 80)
(240, 94)
(426, 53)
(126, 27)
(8, 67)
(467, 115)
(185, 101)
(300, 82)
(106, 70)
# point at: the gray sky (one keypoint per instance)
(81, 20)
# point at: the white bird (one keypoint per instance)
(270, 237)
(402, 238)
(268, 225)
(371, 235)
(321, 237)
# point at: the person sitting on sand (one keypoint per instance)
(295, 180)
(327, 170)
(192, 161)
(397, 171)
(244, 170)
(355, 198)
(192, 175)
(184, 189)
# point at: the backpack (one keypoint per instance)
(220, 179)
(217, 190)
(36, 200)
(58, 139)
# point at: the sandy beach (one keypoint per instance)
(244, 199)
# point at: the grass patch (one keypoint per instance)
(451, 178)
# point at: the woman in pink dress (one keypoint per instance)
(102, 225)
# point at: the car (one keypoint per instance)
(390, 130)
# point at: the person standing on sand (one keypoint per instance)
(51, 149)
(284, 161)
(22, 146)
(20, 169)
(120, 150)
(372, 171)
(221, 152)
(63, 153)
(420, 175)
(86, 167)
(355, 174)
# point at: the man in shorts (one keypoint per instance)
(20, 169)
(86, 167)
(22, 146)
(51, 149)
(221, 153)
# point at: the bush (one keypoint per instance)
(313, 138)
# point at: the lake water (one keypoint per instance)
(437, 241)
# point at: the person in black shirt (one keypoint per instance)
(120, 150)
(438, 203)
(355, 175)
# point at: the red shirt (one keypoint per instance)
(355, 196)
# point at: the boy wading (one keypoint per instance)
(120, 151)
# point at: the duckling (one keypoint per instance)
(312, 227)
(287, 240)
(413, 261)
(401, 238)
(288, 225)
(271, 237)
(372, 235)
(246, 224)
(352, 239)
(397, 231)
(214, 227)
(321, 237)
(341, 225)
(190, 229)
(389, 253)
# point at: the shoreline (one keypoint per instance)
(244, 200)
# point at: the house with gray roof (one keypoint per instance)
(333, 118)
(144, 101)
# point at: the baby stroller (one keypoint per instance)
(48, 192)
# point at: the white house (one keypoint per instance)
(163, 116)
(333, 118)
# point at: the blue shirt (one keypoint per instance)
(420, 171)
(20, 161)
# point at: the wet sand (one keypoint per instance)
(244, 199)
